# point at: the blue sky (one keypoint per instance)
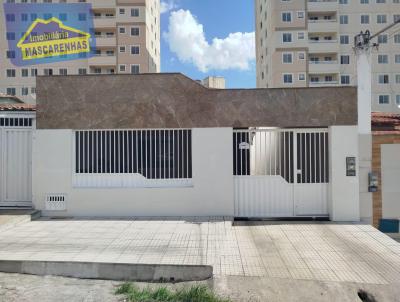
(188, 28)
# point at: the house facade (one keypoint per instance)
(165, 145)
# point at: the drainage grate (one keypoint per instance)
(56, 202)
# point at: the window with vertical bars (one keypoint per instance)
(155, 154)
(15, 122)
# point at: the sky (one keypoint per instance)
(203, 38)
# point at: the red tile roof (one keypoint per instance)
(17, 107)
(385, 123)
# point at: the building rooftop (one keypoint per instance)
(17, 107)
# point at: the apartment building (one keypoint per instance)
(309, 43)
(214, 82)
(127, 41)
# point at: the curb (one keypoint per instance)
(110, 271)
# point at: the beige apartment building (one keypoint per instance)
(127, 41)
(309, 43)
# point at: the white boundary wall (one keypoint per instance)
(211, 193)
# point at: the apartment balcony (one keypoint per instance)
(106, 41)
(324, 83)
(322, 5)
(103, 60)
(103, 4)
(104, 22)
(321, 26)
(320, 67)
(323, 46)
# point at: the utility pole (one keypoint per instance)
(363, 46)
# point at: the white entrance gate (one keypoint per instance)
(280, 172)
(16, 159)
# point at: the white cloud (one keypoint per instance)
(166, 6)
(187, 40)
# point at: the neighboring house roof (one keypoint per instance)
(385, 123)
(17, 107)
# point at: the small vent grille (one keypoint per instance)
(56, 202)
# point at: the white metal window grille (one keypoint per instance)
(133, 158)
(15, 122)
(56, 202)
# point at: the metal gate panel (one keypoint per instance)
(280, 172)
(16, 160)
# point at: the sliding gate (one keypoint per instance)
(280, 172)
(16, 159)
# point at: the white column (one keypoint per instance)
(344, 190)
(364, 130)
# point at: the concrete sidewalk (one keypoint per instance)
(308, 251)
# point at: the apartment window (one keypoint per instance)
(383, 59)
(397, 78)
(10, 17)
(382, 39)
(364, 1)
(47, 16)
(381, 19)
(287, 37)
(135, 31)
(300, 35)
(286, 17)
(82, 71)
(24, 73)
(397, 59)
(300, 15)
(287, 58)
(10, 36)
(384, 99)
(122, 11)
(97, 70)
(122, 68)
(383, 79)
(110, 53)
(63, 71)
(48, 71)
(11, 91)
(135, 50)
(62, 17)
(135, 69)
(287, 78)
(344, 19)
(380, 1)
(314, 79)
(396, 18)
(122, 49)
(398, 99)
(364, 19)
(343, 2)
(10, 73)
(24, 17)
(122, 30)
(396, 1)
(302, 55)
(10, 54)
(302, 77)
(344, 39)
(345, 79)
(134, 12)
(33, 90)
(397, 38)
(344, 60)
(24, 91)
(33, 72)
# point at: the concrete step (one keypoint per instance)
(10, 218)
(110, 271)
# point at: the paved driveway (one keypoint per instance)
(325, 252)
